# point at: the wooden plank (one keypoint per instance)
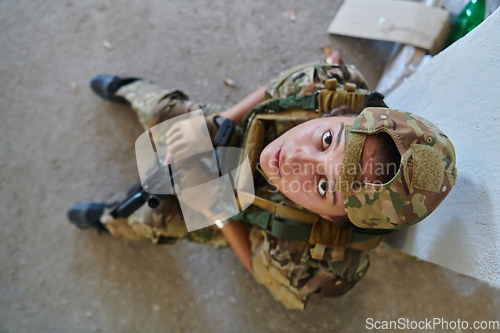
(405, 22)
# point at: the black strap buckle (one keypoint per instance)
(224, 133)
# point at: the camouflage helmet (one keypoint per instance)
(426, 172)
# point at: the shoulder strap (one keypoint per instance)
(307, 102)
(289, 223)
(282, 211)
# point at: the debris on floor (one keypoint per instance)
(74, 87)
(229, 82)
(419, 32)
(107, 45)
(405, 22)
(332, 55)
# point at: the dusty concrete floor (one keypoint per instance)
(59, 147)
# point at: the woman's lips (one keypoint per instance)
(275, 161)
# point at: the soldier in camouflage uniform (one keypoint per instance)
(286, 267)
(154, 105)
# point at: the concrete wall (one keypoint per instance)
(459, 91)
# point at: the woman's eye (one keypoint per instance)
(327, 139)
(322, 187)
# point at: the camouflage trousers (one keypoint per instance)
(163, 224)
(284, 267)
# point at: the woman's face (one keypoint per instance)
(304, 164)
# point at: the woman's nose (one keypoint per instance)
(306, 161)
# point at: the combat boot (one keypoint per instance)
(86, 215)
(106, 87)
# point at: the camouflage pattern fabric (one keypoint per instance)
(285, 267)
(164, 224)
(426, 174)
(306, 79)
(154, 105)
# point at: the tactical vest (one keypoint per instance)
(291, 223)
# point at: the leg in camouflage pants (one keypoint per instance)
(163, 224)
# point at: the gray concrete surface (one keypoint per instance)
(59, 147)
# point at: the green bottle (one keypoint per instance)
(470, 17)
